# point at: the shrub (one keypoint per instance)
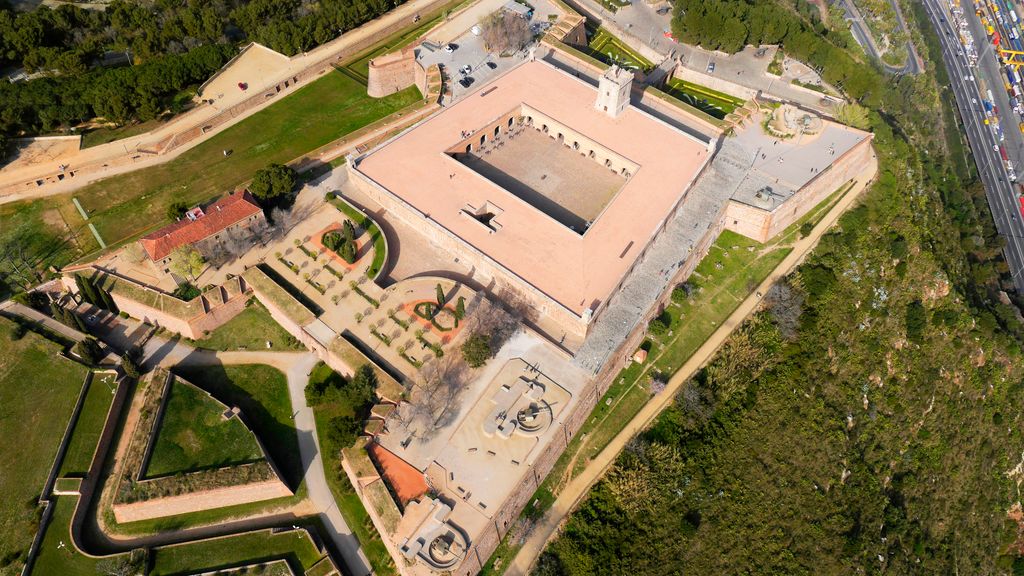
(476, 350)
(915, 321)
(130, 364)
(176, 210)
(679, 294)
(660, 325)
(344, 430)
(89, 350)
(332, 240)
(805, 229)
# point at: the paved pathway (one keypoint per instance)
(125, 333)
(579, 487)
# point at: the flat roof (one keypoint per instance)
(774, 168)
(577, 271)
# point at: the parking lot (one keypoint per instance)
(470, 55)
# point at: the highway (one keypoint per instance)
(1000, 192)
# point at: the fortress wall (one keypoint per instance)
(714, 82)
(392, 72)
(762, 225)
(748, 220)
(487, 272)
(843, 170)
(198, 501)
(156, 317)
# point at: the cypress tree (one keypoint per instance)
(460, 308)
(86, 289)
(440, 296)
(108, 301)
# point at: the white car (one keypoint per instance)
(465, 69)
(449, 48)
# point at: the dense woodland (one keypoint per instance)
(174, 46)
(868, 420)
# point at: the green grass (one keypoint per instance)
(610, 50)
(380, 244)
(249, 548)
(208, 555)
(250, 330)
(89, 426)
(194, 435)
(122, 207)
(348, 501)
(38, 393)
(711, 102)
(261, 392)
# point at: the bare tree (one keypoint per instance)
(18, 264)
(505, 32)
(433, 403)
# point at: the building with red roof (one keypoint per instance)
(216, 231)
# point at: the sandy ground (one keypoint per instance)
(578, 488)
(256, 68)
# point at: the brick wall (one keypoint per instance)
(393, 72)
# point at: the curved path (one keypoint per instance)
(578, 488)
(296, 366)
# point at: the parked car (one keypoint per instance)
(492, 65)
(711, 67)
(466, 82)
(449, 48)
(465, 70)
(664, 10)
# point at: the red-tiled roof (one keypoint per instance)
(406, 481)
(219, 215)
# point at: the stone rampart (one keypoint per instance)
(393, 72)
(203, 500)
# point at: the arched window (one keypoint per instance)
(511, 121)
(497, 130)
(544, 129)
(469, 148)
(575, 145)
(591, 154)
(608, 163)
(483, 138)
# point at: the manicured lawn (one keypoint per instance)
(128, 205)
(38, 392)
(194, 435)
(380, 245)
(250, 330)
(249, 548)
(89, 426)
(610, 50)
(261, 392)
(712, 102)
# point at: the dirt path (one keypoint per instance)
(578, 488)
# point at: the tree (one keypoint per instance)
(130, 364)
(273, 183)
(348, 230)
(853, 114)
(460, 308)
(187, 262)
(916, 320)
(87, 290)
(89, 350)
(440, 296)
(505, 32)
(476, 350)
(348, 251)
(362, 386)
(176, 210)
(344, 430)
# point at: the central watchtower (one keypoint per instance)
(613, 91)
